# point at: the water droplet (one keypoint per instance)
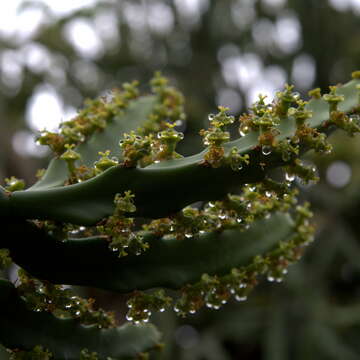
(243, 130)
(242, 285)
(285, 271)
(146, 320)
(296, 95)
(159, 135)
(211, 117)
(209, 305)
(129, 318)
(223, 302)
(211, 204)
(222, 216)
(171, 229)
(270, 278)
(268, 194)
(216, 307)
(192, 311)
(156, 161)
(201, 232)
(266, 150)
(239, 167)
(68, 306)
(37, 309)
(279, 279)
(239, 220)
(77, 313)
(176, 309)
(188, 235)
(240, 298)
(289, 177)
(206, 142)
(162, 309)
(248, 206)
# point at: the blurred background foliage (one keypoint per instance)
(54, 54)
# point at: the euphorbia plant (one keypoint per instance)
(119, 209)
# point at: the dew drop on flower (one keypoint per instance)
(266, 150)
(289, 177)
(241, 133)
(296, 95)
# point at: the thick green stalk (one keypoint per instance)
(130, 119)
(168, 263)
(164, 188)
(21, 328)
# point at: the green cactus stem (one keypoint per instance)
(156, 187)
(89, 261)
(21, 328)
